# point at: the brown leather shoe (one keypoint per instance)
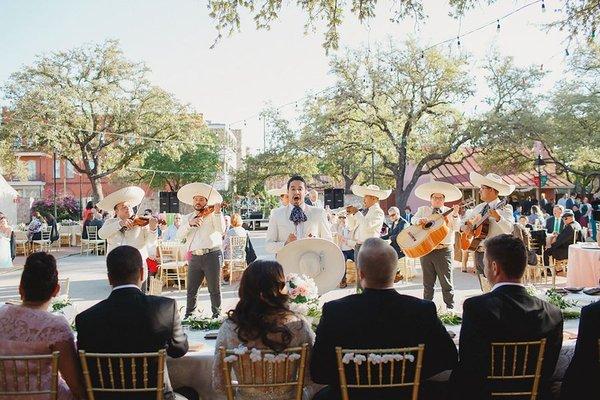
(398, 277)
(343, 283)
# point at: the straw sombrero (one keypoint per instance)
(278, 192)
(372, 190)
(187, 193)
(133, 195)
(451, 193)
(493, 181)
(317, 258)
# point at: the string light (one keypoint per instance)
(567, 52)
(498, 26)
(543, 6)
(458, 40)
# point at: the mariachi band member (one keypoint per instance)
(124, 228)
(501, 219)
(202, 231)
(438, 262)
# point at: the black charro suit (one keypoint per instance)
(506, 314)
(392, 235)
(129, 321)
(378, 319)
(560, 248)
(581, 378)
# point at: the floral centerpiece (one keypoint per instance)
(304, 296)
(62, 305)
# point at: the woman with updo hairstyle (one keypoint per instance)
(262, 319)
(28, 328)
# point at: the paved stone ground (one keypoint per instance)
(89, 284)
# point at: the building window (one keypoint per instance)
(57, 169)
(70, 170)
(31, 170)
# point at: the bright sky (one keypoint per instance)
(234, 81)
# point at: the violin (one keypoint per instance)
(141, 220)
(206, 210)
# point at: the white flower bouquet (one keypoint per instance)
(304, 296)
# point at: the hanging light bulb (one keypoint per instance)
(245, 124)
(422, 54)
(458, 40)
(566, 52)
(543, 6)
(498, 26)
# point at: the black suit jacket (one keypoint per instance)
(506, 314)
(379, 319)
(550, 224)
(560, 248)
(581, 377)
(129, 321)
(392, 234)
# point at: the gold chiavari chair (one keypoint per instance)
(44, 243)
(123, 373)
(22, 376)
(170, 267)
(270, 376)
(510, 362)
(64, 286)
(401, 370)
(535, 273)
(156, 286)
(21, 243)
(237, 258)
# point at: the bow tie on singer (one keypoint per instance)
(297, 216)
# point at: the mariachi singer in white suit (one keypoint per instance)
(297, 220)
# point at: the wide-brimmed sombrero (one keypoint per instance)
(493, 181)
(132, 195)
(372, 190)
(451, 193)
(317, 258)
(187, 193)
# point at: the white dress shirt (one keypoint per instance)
(367, 226)
(280, 226)
(504, 226)
(499, 284)
(427, 211)
(206, 236)
(345, 237)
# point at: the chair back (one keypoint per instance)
(517, 362)
(237, 245)
(64, 287)
(156, 286)
(263, 370)
(92, 232)
(20, 236)
(45, 234)
(123, 373)
(380, 369)
(168, 251)
(22, 376)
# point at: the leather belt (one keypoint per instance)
(201, 252)
(441, 246)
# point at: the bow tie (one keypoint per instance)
(437, 210)
(297, 216)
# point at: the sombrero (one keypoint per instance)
(450, 192)
(133, 195)
(278, 192)
(187, 193)
(317, 258)
(372, 190)
(493, 181)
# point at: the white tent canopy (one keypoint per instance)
(8, 206)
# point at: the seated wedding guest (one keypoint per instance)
(524, 222)
(235, 230)
(559, 248)
(129, 321)
(170, 233)
(34, 230)
(536, 218)
(29, 328)
(581, 377)
(554, 224)
(262, 319)
(378, 318)
(88, 219)
(506, 314)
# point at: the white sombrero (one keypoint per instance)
(317, 258)
(372, 190)
(187, 193)
(451, 193)
(278, 192)
(493, 181)
(133, 195)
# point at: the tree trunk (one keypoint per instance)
(97, 189)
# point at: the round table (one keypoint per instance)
(583, 269)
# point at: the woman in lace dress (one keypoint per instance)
(262, 319)
(30, 329)
(5, 233)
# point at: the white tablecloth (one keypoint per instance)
(584, 265)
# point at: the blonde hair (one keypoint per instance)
(236, 220)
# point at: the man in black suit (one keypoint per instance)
(129, 321)
(378, 318)
(506, 314)
(569, 234)
(394, 230)
(581, 378)
(555, 224)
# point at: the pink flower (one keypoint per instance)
(302, 290)
(294, 292)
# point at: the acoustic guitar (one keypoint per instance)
(472, 239)
(420, 240)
